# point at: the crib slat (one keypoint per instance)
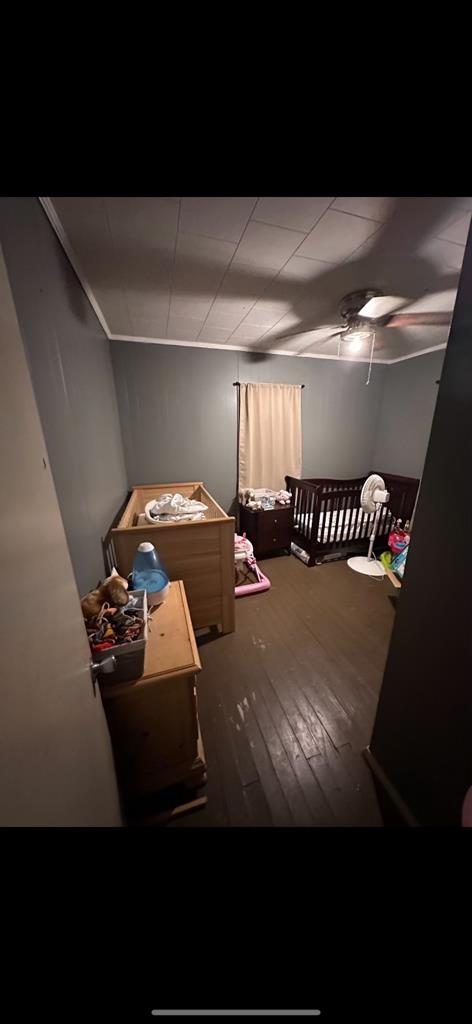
(304, 502)
(333, 523)
(311, 504)
(341, 524)
(356, 520)
(347, 531)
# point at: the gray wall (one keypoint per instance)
(406, 414)
(423, 729)
(179, 412)
(56, 763)
(70, 365)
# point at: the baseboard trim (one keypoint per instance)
(390, 789)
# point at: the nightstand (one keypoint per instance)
(269, 530)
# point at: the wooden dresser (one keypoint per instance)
(269, 530)
(153, 721)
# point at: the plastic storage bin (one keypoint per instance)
(129, 657)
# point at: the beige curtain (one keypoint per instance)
(270, 434)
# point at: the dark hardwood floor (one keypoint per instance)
(287, 702)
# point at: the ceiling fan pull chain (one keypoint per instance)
(371, 356)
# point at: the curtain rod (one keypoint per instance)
(237, 383)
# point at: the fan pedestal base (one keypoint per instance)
(368, 566)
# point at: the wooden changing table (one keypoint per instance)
(201, 553)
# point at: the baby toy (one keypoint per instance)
(114, 590)
(264, 497)
(248, 577)
(398, 539)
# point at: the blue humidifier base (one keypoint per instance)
(158, 596)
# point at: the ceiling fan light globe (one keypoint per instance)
(356, 337)
(355, 344)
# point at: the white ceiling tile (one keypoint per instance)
(320, 304)
(422, 336)
(147, 326)
(200, 266)
(247, 332)
(297, 212)
(376, 208)
(212, 251)
(336, 236)
(147, 305)
(227, 314)
(195, 308)
(412, 339)
(445, 257)
(245, 281)
(266, 313)
(284, 290)
(184, 328)
(435, 302)
(299, 268)
(445, 222)
(214, 335)
(286, 323)
(216, 216)
(457, 231)
(366, 247)
(150, 222)
(248, 275)
(267, 246)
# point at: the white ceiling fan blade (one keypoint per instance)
(323, 335)
(419, 320)
(433, 302)
(382, 305)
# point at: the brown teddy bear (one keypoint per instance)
(114, 590)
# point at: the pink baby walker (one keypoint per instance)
(248, 577)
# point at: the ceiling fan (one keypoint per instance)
(364, 311)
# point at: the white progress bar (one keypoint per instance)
(236, 1013)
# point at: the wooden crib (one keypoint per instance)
(328, 522)
(201, 553)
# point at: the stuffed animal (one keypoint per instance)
(114, 590)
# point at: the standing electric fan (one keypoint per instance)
(373, 496)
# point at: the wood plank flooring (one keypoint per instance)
(287, 702)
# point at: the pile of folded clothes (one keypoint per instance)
(174, 508)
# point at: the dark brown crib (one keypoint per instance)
(328, 522)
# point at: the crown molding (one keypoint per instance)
(239, 348)
(270, 351)
(423, 352)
